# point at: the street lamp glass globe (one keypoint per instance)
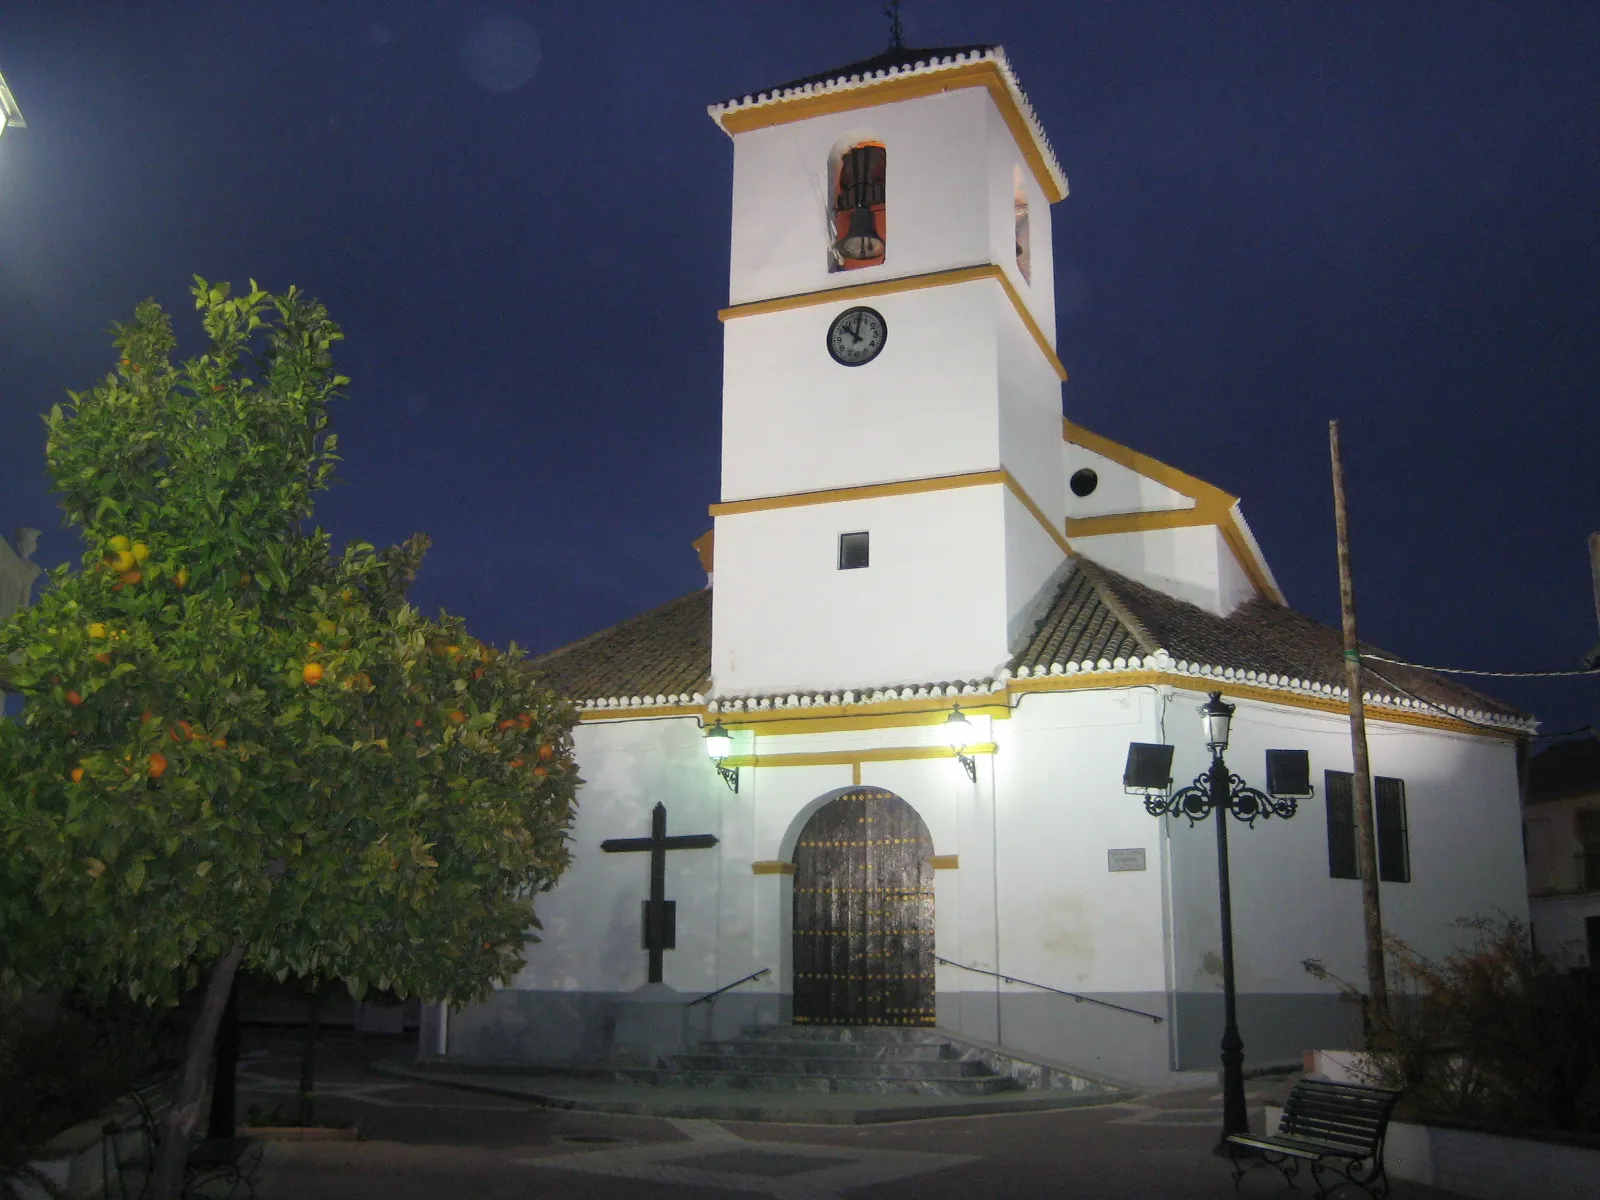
(1217, 714)
(957, 729)
(719, 744)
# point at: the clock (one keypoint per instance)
(856, 336)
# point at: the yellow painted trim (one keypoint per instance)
(855, 774)
(705, 547)
(687, 711)
(1140, 522)
(892, 91)
(1181, 482)
(923, 711)
(945, 862)
(771, 867)
(840, 758)
(903, 487)
(865, 491)
(905, 283)
(1216, 505)
(1234, 689)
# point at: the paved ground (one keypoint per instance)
(429, 1142)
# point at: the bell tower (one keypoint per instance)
(891, 497)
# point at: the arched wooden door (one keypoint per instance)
(863, 914)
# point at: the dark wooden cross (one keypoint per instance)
(660, 914)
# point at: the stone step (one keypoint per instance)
(834, 1051)
(984, 1085)
(866, 1068)
(841, 1034)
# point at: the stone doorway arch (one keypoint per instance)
(863, 913)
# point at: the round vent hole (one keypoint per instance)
(1084, 482)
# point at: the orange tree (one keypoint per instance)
(237, 746)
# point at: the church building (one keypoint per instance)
(881, 754)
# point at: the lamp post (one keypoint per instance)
(1219, 791)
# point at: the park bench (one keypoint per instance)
(232, 1162)
(1332, 1126)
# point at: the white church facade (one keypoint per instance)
(907, 528)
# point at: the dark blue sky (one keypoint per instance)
(1280, 213)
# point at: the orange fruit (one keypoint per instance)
(181, 579)
(516, 762)
(508, 723)
(146, 717)
(221, 743)
(140, 552)
(105, 658)
(131, 577)
(97, 630)
(120, 543)
(541, 772)
(158, 765)
(123, 560)
(245, 578)
(547, 752)
(77, 774)
(418, 722)
(312, 674)
(459, 717)
(74, 699)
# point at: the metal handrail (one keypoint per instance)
(1045, 987)
(729, 987)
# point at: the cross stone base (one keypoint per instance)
(647, 1024)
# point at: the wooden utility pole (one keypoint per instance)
(1594, 571)
(1361, 784)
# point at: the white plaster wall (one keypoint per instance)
(1034, 568)
(1005, 157)
(931, 606)
(942, 155)
(1120, 490)
(1067, 921)
(1466, 858)
(1030, 416)
(1191, 563)
(794, 420)
(1559, 926)
(1553, 845)
(591, 925)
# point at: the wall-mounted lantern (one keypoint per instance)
(958, 736)
(719, 744)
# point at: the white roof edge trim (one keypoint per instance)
(1245, 532)
(963, 691)
(847, 83)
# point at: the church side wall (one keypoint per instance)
(1466, 861)
(1005, 158)
(589, 955)
(1181, 562)
(1119, 490)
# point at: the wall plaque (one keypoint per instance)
(1125, 860)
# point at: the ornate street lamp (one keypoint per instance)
(1149, 772)
(719, 744)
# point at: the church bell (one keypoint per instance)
(860, 195)
(860, 238)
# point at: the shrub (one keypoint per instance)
(1497, 1032)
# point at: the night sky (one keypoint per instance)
(1280, 213)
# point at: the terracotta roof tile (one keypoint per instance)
(1260, 636)
(664, 652)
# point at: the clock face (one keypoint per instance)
(856, 336)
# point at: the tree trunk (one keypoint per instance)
(308, 1060)
(181, 1119)
(225, 1084)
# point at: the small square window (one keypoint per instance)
(852, 551)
